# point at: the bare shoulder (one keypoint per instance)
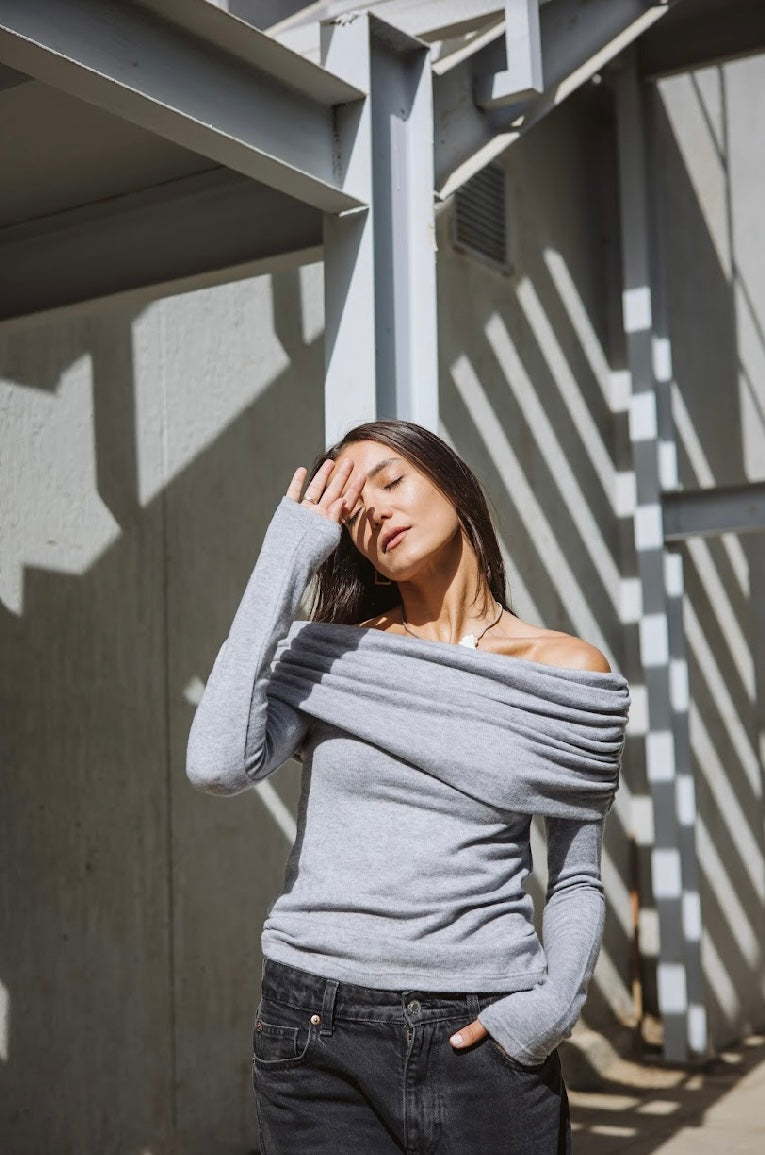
(572, 653)
(548, 647)
(386, 621)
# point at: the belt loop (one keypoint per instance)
(328, 1006)
(474, 1006)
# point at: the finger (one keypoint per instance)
(466, 1036)
(342, 506)
(296, 485)
(318, 482)
(351, 494)
(336, 483)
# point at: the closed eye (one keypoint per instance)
(390, 485)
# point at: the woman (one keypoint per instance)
(407, 1004)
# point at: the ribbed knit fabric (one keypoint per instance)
(422, 765)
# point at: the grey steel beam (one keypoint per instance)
(238, 37)
(577, 37)
(380, 284)
(198, 230)
(708, 512)
(349, 249)
(674, 868)
(406, 338)
(195, 75)
(701, 34)
(522, 76)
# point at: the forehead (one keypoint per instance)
(369, 455)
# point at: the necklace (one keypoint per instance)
(469, 640)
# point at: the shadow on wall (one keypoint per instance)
(132, 906)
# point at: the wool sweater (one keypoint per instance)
(423, 764)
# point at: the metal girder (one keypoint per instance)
(195, 75)
(707, 512)
(150, 239)
(433, 20)
(522, 76)
(674, 864)
(577, 37)
(380, 280)
(701, 34)
(349, 269)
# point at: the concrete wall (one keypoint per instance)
(143, 454)
(142, 458)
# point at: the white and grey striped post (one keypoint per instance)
(674, 867)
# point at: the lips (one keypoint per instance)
(392, 538)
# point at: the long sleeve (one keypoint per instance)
(530, 1024)
(240, 734)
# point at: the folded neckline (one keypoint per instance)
(464, 654)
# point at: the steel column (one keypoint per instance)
(380, 279)
(406, 336)
(349, 265)
(673, 863)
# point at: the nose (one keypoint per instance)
(379, 514)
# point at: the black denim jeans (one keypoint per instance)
(340, 1069)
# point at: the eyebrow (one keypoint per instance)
(380, 466)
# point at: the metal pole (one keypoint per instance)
(673, 863)
(380, 279)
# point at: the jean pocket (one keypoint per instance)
(282, 1037)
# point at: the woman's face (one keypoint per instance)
(397, 497)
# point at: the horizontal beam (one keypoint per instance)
(577, 37)
(192, 229)
(222, 28)
(195, 76)
(709, 512)
(701, 34)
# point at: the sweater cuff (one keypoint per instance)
(529, 1025)
(321, 527)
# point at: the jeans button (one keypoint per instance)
(413, 1007)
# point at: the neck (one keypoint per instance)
(440, 603)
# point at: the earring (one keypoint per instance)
(382, 581)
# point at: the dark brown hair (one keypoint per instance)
(343, 588)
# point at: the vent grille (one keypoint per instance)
(480, 219)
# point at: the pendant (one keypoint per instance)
(469, 640)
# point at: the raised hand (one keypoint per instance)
(330, 492)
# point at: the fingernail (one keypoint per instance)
(457, 1040)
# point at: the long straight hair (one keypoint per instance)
(343, 589)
